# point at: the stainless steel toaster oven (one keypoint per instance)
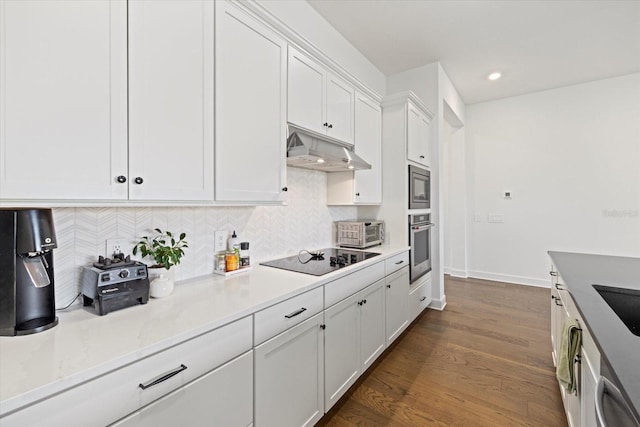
(360, 233)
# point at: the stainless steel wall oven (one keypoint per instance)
(420, 241)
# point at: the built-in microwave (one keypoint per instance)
(419, 188)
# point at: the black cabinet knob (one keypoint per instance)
(330, 126)
(121, 179)
(285, 189)
(138, 180)
(325, 124)
(358, 194)
(422, 157)
(389, 286)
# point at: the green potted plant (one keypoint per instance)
(166, 251)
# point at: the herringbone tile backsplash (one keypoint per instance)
(273, 231)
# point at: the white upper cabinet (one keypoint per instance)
(251, 88)
(63, 98)
(318, 100)
(368, 142)
(363, 186)
(171, 100)
(306, 99)
(418, 129)
(340, 109)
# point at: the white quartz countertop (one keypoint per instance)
(617, 344)
(84, 345)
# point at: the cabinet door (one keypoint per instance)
(171, 100)
(589, 374)
(397, 303)
(557, 319)
(289, 377)
(372, 314)
(306, 93)
(340, 109)
(63, 98)
(222, 397)
(368, 144)
(417, 136)
(571, 400)
(251, 80)
(341, 347)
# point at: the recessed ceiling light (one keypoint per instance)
(494, 76)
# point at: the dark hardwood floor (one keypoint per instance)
(483, 361)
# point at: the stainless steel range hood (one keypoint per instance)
(310, 150)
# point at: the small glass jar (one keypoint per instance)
(221, 262)
(232, 261)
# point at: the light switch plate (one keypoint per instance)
(220, 238)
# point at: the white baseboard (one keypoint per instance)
(520, 280)
(438, 304)
(455, 272)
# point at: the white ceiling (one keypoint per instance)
(537, 45)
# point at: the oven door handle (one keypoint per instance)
(422, 227)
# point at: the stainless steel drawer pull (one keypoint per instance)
(295, 313)
(553, 273)
(559, 287)
(162, 377)
(400, 262)
(423, 298)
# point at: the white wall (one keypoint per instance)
(571, 157)
(303, 19)
(454, 198)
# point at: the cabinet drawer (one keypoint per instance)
(396, 262)
(117, 394)
(224, 395)
(348, 285)
(280, 317)
(419, 299)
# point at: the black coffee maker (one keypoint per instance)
(27, 301)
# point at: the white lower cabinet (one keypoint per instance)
(289, 377)
(223, 397)
(589, 374)
(372, 314)
(354, 338)
(397, 303)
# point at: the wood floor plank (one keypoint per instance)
(483, 361)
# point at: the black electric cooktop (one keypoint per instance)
(316, 265)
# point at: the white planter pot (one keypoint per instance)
(162, 282)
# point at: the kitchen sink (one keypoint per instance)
(625, 303)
